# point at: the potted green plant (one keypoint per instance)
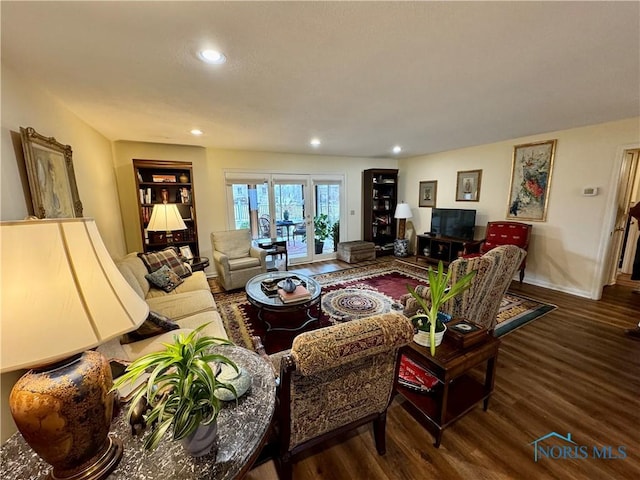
(335, 234)
(179, 390)
(439, 292)
(321, 231)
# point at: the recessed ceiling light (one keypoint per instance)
(397, 149)
(315, 142)
(195, 131)
(212, 56)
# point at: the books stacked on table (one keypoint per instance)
(415, 377)
(298, 295)
(269, 287)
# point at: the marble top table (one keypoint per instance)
(242, 431)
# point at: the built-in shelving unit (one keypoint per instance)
(380, 196)
(170, 181)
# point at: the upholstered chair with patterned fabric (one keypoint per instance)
(508, 259)
(467, 304)
(506, 233)
(336, 379)
(235, 259)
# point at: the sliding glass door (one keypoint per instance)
(303, 210)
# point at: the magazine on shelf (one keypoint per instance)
(414, 376)
(299, 294)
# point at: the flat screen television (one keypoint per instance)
(453, 222)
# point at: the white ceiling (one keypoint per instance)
(361, 76)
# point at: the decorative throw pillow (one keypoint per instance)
(155, 324)
(164, 278)
(169, 256)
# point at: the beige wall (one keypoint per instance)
(24, 105)
(209, 167)
(568, 250)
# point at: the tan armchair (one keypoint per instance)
(336, 379)
(236, 259)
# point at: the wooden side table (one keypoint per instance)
(275, 247)
(457, 392)
(198, 263)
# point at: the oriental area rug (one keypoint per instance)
(347, 294)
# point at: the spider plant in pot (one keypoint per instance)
(439, 292)
(178, 391)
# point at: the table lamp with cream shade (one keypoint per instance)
(62, 295)
(166, 217)
(400, 245)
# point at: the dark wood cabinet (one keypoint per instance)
(433, 248)
(171, 182)
(380, 196)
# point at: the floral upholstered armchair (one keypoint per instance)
(466, 305)
(338, 378)
(481, 302)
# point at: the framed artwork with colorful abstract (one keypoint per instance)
(531, 171)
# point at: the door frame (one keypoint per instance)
(606, 248)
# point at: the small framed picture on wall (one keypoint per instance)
(428, 192)
(468, 187)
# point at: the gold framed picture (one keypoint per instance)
(468, 186)
(531, 170)
(52, 181)
(428, 191)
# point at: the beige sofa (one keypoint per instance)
(189, 305)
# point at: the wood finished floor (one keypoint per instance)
(571, 371)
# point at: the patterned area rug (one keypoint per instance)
(516, 311)
(386, 282)
(348, 304)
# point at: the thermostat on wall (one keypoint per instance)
(590, 191)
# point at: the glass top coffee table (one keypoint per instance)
(268, 301)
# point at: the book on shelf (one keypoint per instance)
(414, 376)
(299, 294)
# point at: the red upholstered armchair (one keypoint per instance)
(506, 233)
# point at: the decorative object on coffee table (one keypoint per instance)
(78, 299)
(262, 292)
(52, 181)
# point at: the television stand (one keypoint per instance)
(435, 248)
